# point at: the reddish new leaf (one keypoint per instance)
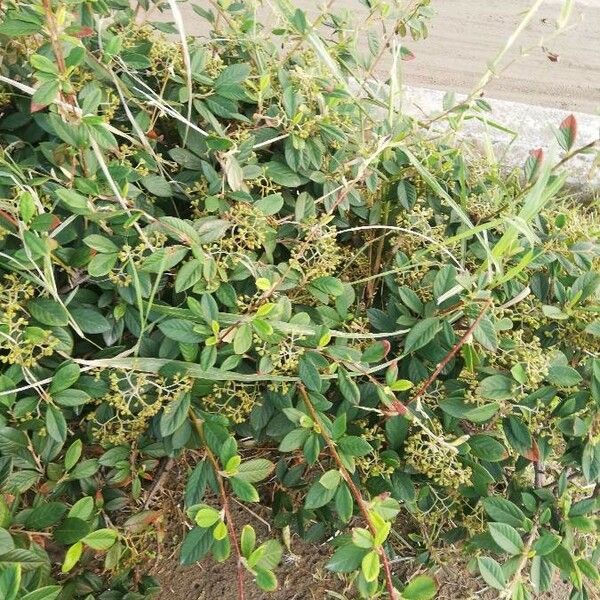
(568, 132)
(533, 453)
(533, 163)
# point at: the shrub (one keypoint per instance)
(232, 238)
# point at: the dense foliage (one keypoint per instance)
(231, 238)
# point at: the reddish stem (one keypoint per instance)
(226, 509)
(453, 352)
(362, 505)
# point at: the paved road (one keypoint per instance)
(466, 34)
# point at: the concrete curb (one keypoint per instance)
(531, 123)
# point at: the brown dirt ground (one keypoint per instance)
(300, 578)
(301, 575)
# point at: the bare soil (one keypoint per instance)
(301, 574)
(301, 577)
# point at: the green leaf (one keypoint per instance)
(407, 193)
(101, 539)
(244, 490)
(84, 469)
(293, 440)
(45, 515)
(485, 334)
(330, 479)
(100, 243)
(541, 574)
(164, 259)
(71, 397)
(10, 580)
(421, 587)
(355, 446)
(421, 334)
(309, 375)
(49, 592)
(487, 448)
(188, 275)
(232, 74)
(101, 264)
(196, 484)
(281, 174)
(348, 387)
(346, 558)
(247, 540)
(546, 543)
(375, 352)
(563, 376)
(90, 320)
(196, 544)
(83, 508)
(266, 580)
(563, 559)
(327, 286)
(71, 530)
(174, 414)
(370, 566)
(507, 537)
(242, 340)
(16, 27)
(211, 229)
(588, 569)
(491, 572)
(73, 454)
(180, 330)
(48, 311)
(46, 93)
(362, 538)
(270, 205)
(318, 496)
(6, 541)
(157, 185)
(255, 470)
(43, 64)
(344, 503)
(496, 387)
(457, 407)
(74, 201)
(207, 517)
(271, 553)
(504, 511)
(64, 377)
(56, 424)
(517, 434)
(185, 158)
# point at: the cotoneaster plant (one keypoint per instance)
(225, 252)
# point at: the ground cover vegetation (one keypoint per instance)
(228, 251)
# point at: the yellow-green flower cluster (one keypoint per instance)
(234, 400)
(316, 253)
(135, 398)
(528, 353)
(436, 461)
(21, 344)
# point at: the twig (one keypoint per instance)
(539, 472)
(225, 500)
(453, 352)
(254, 514)
(158, 482)
(353, 490)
